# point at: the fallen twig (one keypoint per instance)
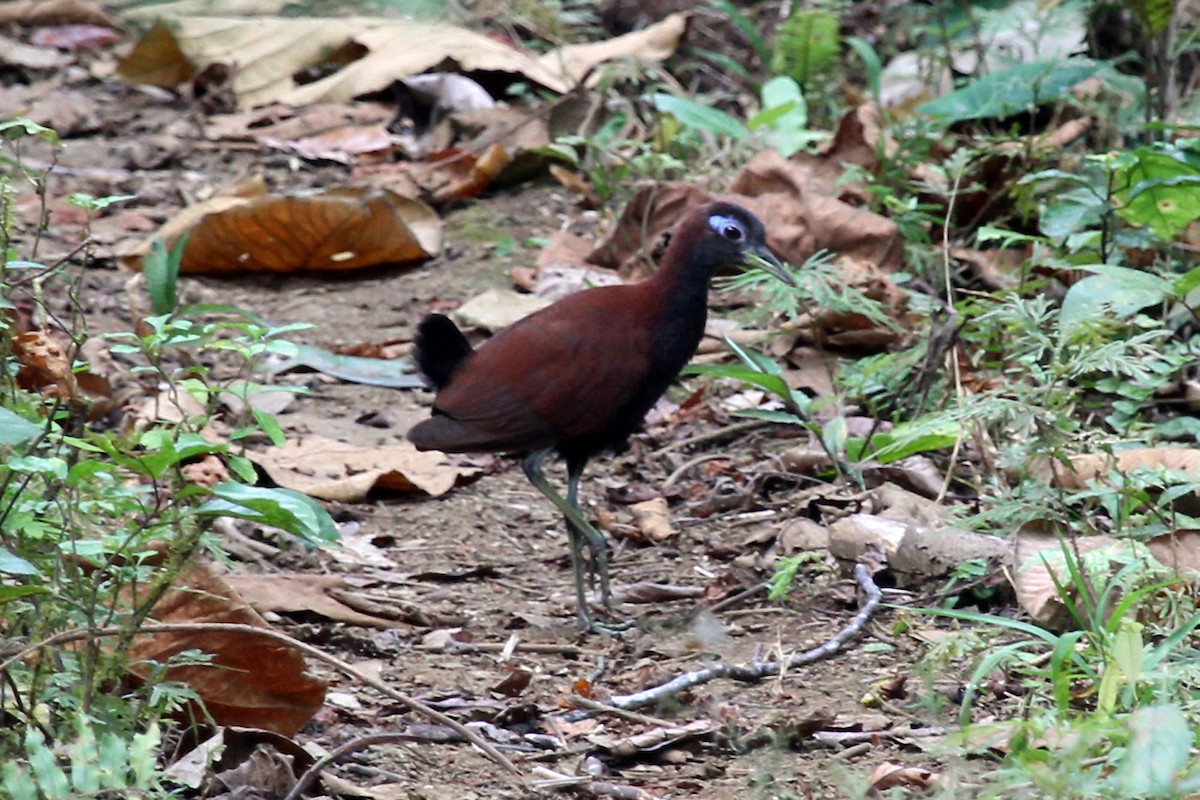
(758, 670)
(846, 738)
(585, 785)
(623, 713)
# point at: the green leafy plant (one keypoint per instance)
(88, 512)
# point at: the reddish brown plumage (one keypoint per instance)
(581, 374)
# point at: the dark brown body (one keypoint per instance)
(579, 375)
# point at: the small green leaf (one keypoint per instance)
(391, 373)
(1157, 752)
(769, 415)
(1010, 91)
(833, 435)
(1187, 282)
(1118, 291)
(292, 511)
(871, 61)
(15, 429)
(699, 116)
(11, 564)
(270, 426)
(907, 439)
(162, 271)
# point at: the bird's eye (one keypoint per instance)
(727, 227)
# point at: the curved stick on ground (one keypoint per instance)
(763, 669)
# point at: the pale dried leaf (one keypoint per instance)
(888, 775)
(653, 518)
(497, 308)
(337, 471)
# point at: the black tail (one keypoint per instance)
(439, 348)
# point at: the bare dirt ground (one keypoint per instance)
(488, 561)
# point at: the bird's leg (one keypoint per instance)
(578, 531)
(597, 547)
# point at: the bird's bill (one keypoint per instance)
(765, 260)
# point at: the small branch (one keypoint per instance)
(586, 786)
(452, 647)
(761, 669)
(333, 756)
(268, 633)
(632, 716)
(712, 436)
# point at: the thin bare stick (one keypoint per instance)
(712, 436)
(268, 633)
(758, 670)
(336, 754)
(632, 716)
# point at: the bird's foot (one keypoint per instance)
(607, 628)
(611, 628)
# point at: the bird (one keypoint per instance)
(579, 376)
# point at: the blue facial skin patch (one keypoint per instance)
(720, 223)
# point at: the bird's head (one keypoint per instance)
(721, 235)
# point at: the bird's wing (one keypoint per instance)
(546, 378)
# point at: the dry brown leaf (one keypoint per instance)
(888, 775)
(229, 746)
(556, 282)
(1038, 561)
(801, 220)
(349, 144)
(653, 519)
(207, 472)
(41, 13)
(336, 471)
(655, 739)
(44, 366)
(252, 681)
(286, 123)
(1178, 550)
(1098, 466)
(23, 56)
(292, 593)
(856, 141)
(655, 42)
(478, 175)
(75, 36)
(373, 52)
(338, 229)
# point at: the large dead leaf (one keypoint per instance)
(799, 221)
(252, 681)
(656, 42)
(1039, 561)
(40, 13)
(338, 229)
(372, 53)
(802, 219)
(337, 471)
(1184, 461)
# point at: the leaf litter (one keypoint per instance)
(513, 606)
